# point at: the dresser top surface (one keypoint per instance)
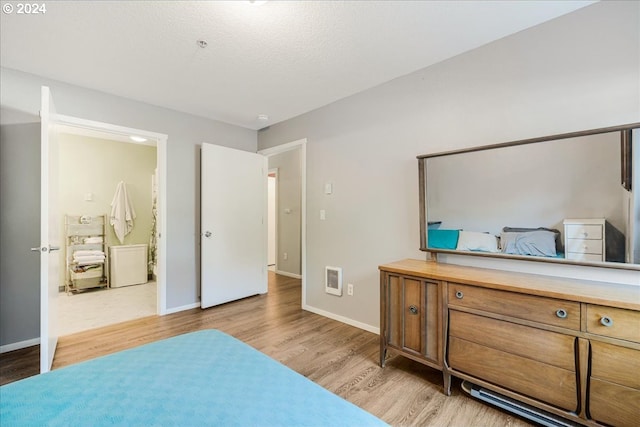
(603, 293)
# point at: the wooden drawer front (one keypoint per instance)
(535, 379)
(413, 314)
(521, 306)
(544, 346)
(584, 246)
(406, 315)
(624, 324)
(616, 364)
(613, 404)
(583, 231)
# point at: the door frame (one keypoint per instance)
(161, 164)
(275, 216)
(300, 144)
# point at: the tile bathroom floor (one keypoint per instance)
(92, 309)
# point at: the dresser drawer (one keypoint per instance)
(583, 257)
(584, 246)
(613, 322)
(583, 231)
(616, 364)
(546, 383)
(547, 347)
(549, 311)
(613, 404)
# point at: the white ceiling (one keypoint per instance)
(282, 58)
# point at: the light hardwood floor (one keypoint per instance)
(339, 357)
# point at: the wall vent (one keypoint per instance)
(333, 280)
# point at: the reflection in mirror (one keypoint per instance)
(569, 198)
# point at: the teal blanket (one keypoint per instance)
(204, 378)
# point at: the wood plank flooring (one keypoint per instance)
(339, 357)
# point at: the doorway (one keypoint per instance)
(290, 216)
(91, 308)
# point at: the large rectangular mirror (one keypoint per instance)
(571, 198)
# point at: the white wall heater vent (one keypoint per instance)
(333, 280)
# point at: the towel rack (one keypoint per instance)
(87, 234)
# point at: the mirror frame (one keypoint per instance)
(625, 131)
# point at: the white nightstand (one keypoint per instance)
(584, 239)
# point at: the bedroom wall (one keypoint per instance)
(580, 71)
(19, 231)
(288, 197)
(96, 166)
(21, 93)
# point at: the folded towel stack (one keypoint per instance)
(88, 257)
(88, 240)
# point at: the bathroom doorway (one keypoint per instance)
(95, 158)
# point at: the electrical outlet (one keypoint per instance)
(350, 289)
(285, 256)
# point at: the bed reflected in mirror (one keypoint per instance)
(566, 198)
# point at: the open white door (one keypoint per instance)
(233, 209)
(49, 233)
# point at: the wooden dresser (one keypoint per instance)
(569, 347)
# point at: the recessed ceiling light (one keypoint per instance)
(137, 138)
(263, 117)
(256, 2)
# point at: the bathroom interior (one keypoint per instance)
(107, 202)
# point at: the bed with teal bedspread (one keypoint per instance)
(197, 379)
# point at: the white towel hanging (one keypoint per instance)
(122, 212)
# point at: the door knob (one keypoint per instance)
(207, 234)
(46, 249)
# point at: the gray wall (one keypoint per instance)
(580, 71)
(21, 93)
(19, 230)
(288, 197)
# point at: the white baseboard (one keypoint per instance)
(19, 345)
(374, 329)
(286, 273)
(181, 308)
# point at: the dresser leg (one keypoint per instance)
(447, 383)
(383, 356)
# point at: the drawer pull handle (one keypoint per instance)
(459, 294)
(413, 309)
(561, 313)
(606, 321)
